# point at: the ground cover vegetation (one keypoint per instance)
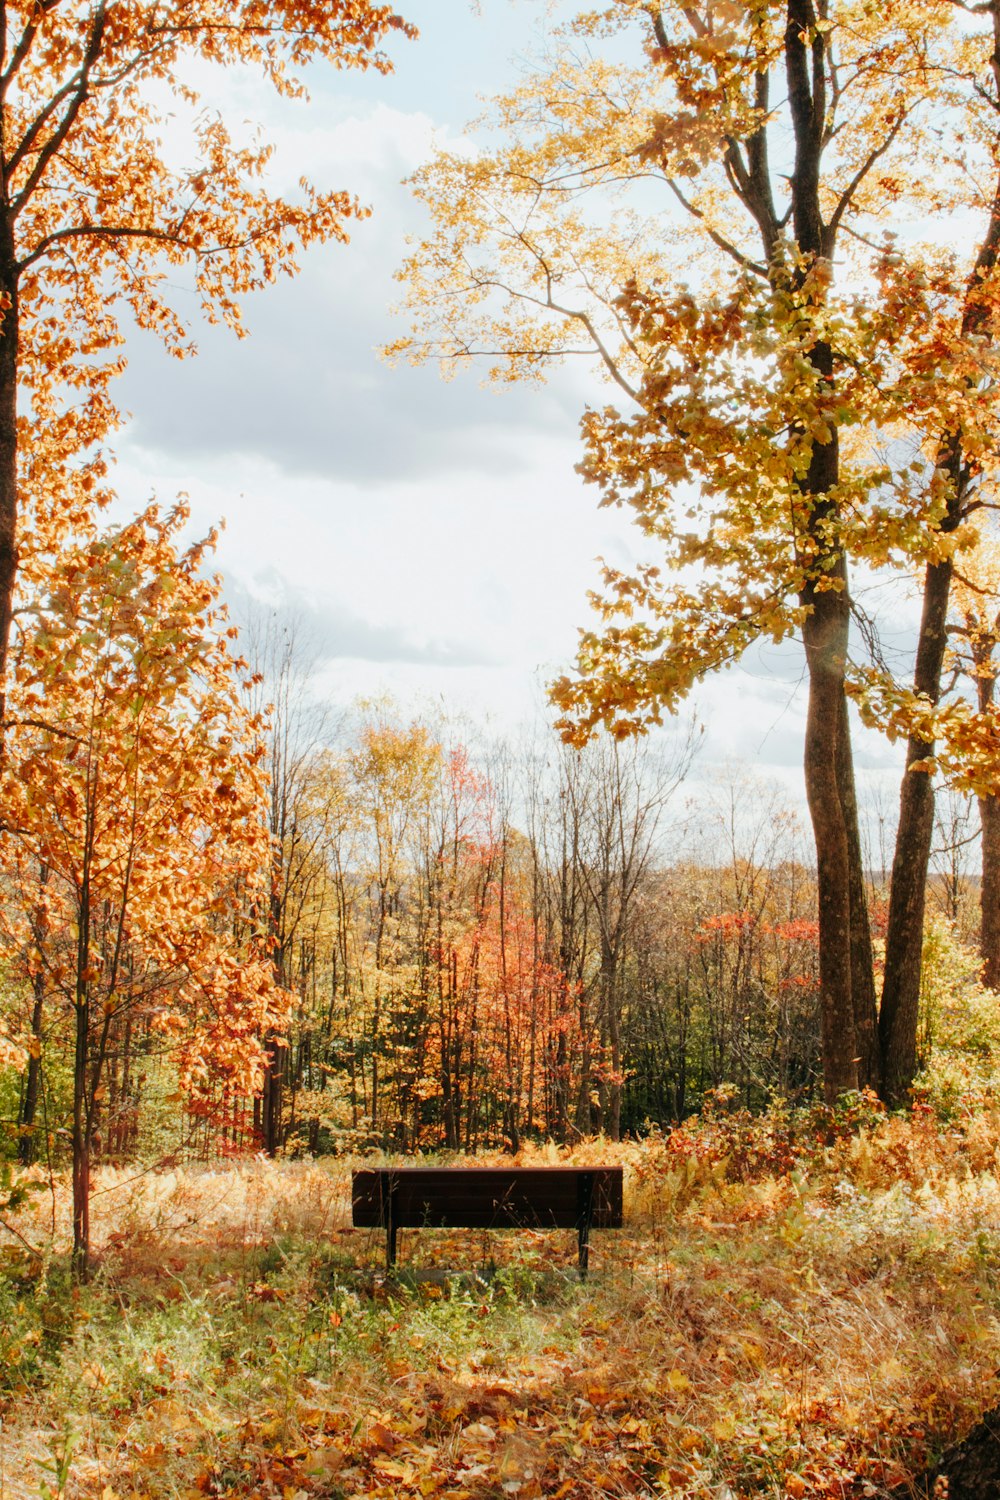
(799, 1305)
(242, 948)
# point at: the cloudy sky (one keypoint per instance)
(432, 535)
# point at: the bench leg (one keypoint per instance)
(388, 1189)
(584, 1217)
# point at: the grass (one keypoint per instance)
(786, 1319)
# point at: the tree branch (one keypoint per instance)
(56, 140)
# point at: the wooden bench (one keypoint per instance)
(580, 1198)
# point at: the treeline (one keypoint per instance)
(454, 944)
(475, 948)
(525, 940)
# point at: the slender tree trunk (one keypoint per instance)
(863, 997)
(989, 938)
(583, 1119)
(26, 1146)
(271, 1097)
(8, 445)
(828, 774)
(829, 786)
(613, 1105)
(989, 817)
(825, 633)
(908, 886)
(904, 935)
(81, 1131)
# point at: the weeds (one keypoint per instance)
(808, 1311)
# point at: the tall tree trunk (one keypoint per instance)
(81, 1130)
(989, 817)
(904, 935)
(271, 1097)
(825, 633)
(989, 937)
(613, 1104)
(828, 774)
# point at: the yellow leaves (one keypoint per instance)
(262, 1291)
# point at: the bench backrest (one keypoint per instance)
(488, 1197)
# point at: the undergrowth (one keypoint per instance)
(798, 1305)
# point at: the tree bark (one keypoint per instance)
(825, 634)
(270, 1113)
(908, 885)
(828, 774)
(26, 1145)
(989, 817)
(81, 1131)
(970, 1469)
(863, 998)
(989, 937)
(904, 934)
(8, 445)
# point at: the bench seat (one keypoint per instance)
(580, 1198)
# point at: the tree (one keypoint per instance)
(620, 818)
(133, 781)
(94, 216)
(789, 138)
(975, 635)
(279, 654)
(394, 772)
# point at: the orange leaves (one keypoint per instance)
(95, 214)
(149, 859)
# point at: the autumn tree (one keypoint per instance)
(393, 774)
(974, 637)
(787, 139)
(279, 654)
(97, 218)
(623, 792)
(554, 811)
(134, 781)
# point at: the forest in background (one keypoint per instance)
(480, 946)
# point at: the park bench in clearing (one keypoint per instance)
(580, 1198)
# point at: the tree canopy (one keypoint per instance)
(737, 211)
(96, 211)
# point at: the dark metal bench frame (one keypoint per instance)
(580, 1198)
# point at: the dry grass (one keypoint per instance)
(812, 1331)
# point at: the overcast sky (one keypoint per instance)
(432, 535)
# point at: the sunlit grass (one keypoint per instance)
(808, 1329)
